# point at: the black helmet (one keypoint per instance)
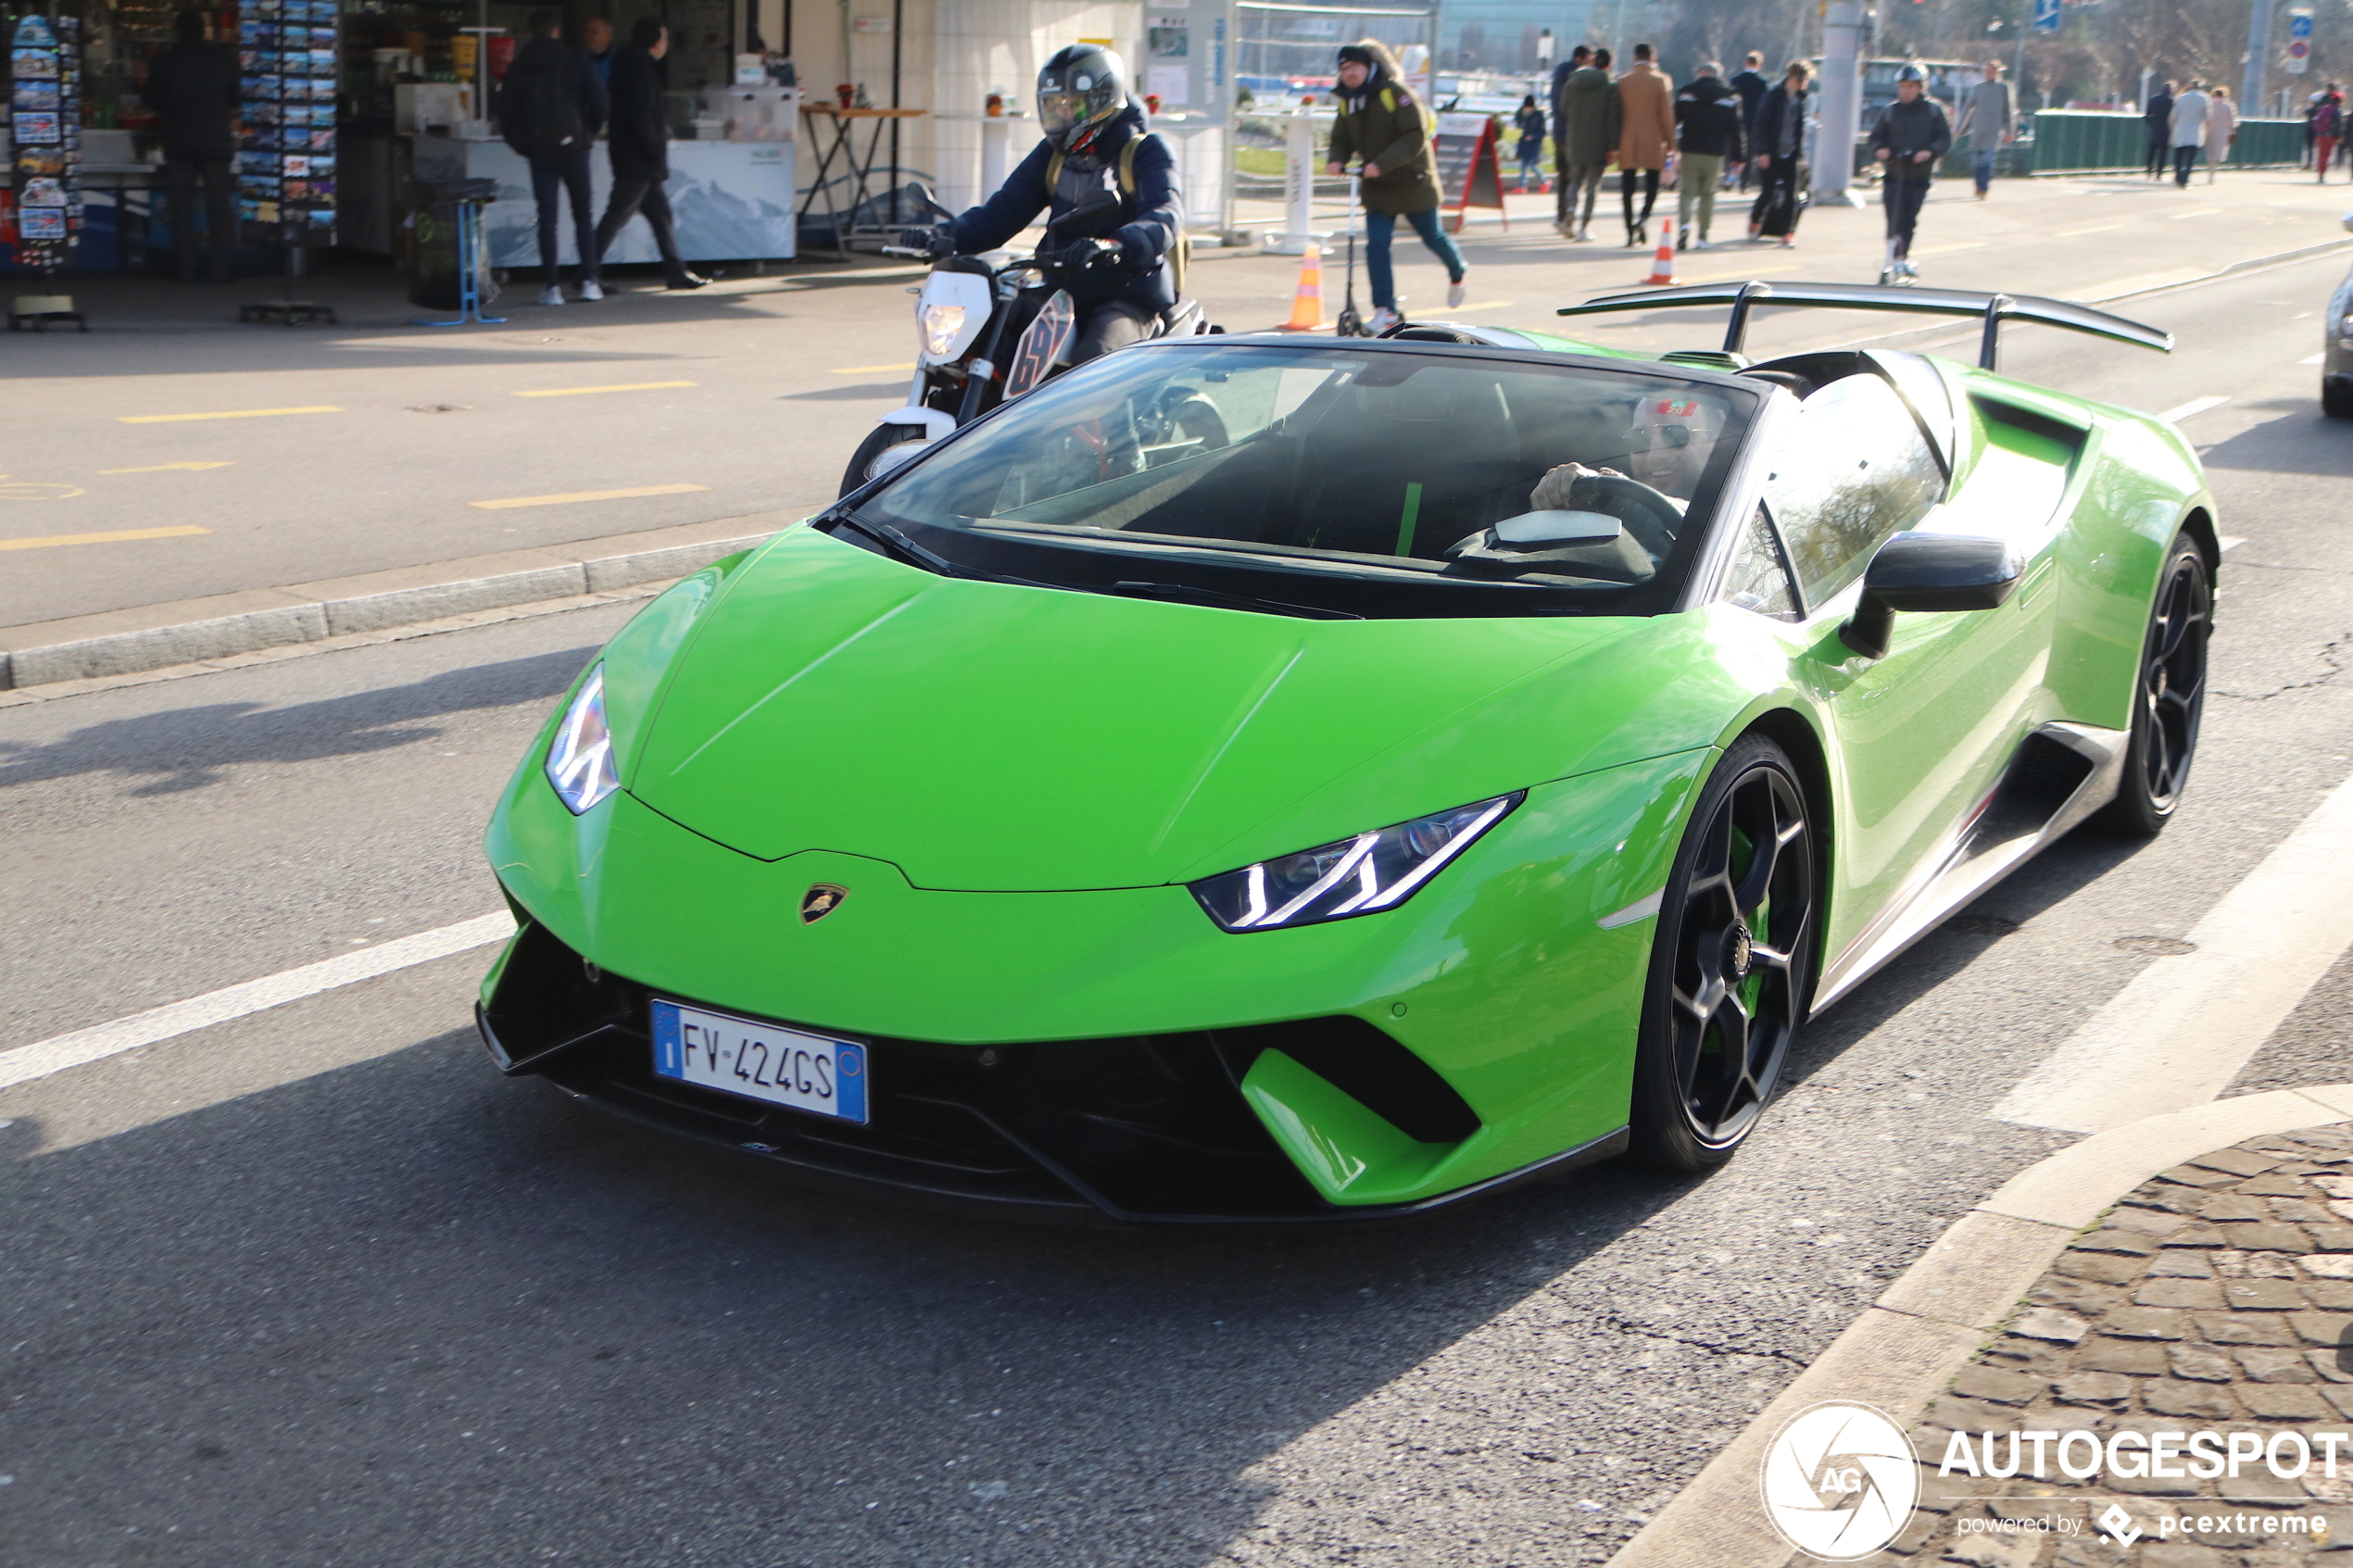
(1911, 73)
(1082, 88)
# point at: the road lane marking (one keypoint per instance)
(2311, 360)
(1957, 244)
(228, 414)
(167, 468)
(121, 536)
(1489, 304)
(62, 1051)
(2226, 542)
(624, 386)
(587, 496)
(2195, 405)
(873, 369)
(2182, 1030)
(2094, 229)
(2193, 212)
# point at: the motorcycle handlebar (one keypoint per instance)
(907, 250)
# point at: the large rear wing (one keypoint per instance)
(1992, 309)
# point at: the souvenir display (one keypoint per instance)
(44, 129)
(287, 58)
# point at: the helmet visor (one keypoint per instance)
(1058, 110)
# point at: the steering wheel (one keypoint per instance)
(1650, 516)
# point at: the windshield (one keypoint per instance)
(1376, 481)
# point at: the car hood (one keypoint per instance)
(991, 737)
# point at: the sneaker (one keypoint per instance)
(688, 281)
(1456, 291)
(1907, 269)
(552, 294)
(1702, 244)
(1789, 242)
(1383, 319)
(591, 289)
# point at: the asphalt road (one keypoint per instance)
(317, 1288)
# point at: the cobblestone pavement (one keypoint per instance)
(2215, 1299)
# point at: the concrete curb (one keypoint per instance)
(189, 631)
(1911, 1342)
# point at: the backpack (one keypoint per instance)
(539, 110)
(1180, 255)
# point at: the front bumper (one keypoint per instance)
(1140, 1130)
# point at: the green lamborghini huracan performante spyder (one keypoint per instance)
(1266, 779)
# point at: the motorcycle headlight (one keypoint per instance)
(941, 324)
(1362, 875)
(579, 759)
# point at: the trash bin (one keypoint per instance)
(436, 262)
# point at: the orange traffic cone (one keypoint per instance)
(1307, 303)
(1663, 264)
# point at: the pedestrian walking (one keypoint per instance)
(640, 149)
(1707, 136)
(2189, 131)
(2158, 116)
(2327, 122)
(1912, 133)
(550, 108)
(2221, 129)
(1779, 154)
(1381, 122)
(1530, 120)
(1646, 135)
(1556, 98)
(1989, 118)
(1752, 87)
(1584, 142)
(192, 90)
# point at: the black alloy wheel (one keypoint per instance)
(1731, 965)
(2169, 697)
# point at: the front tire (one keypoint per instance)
(2169, 697)
(868, 461)
(1732, 963)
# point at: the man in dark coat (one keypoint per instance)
(550, 108)
(1750, 84)
(1779, 154)
(1577, 60)
(1912, 133)
(2159, 119)
(1115, 265)
(640, 149)
(192, 88)
(1708, 135)
(1584, 141)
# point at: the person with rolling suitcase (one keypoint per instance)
(1779, 155)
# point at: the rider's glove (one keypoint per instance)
(1081, 254)
(934, 242)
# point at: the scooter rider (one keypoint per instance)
(1118, 275)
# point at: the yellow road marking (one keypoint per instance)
(167, 467)
(873, 369)
(2094, 229)
(230, 414)
(587, 496)
(1491, 305)
(126, 534)
(626, 387)
(1957, 244)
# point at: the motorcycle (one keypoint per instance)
(964, 311)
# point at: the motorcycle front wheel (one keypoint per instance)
(878, 452)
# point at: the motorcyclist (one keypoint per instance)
(1115, 264)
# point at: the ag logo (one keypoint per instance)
(1840, 1480)
(821, 901)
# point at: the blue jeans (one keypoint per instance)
(1981, 168)
(1378, 227)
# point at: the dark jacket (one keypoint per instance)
(570, 68)
(1708, 120)
(1589, 107)
(640, 143)
(2159, 115)
(1752, 89)
(1531, 132)
(1780, 119)
(1147, 223)
(1383, 124)
(1906, 130)
(1552, 100)
(192, 88)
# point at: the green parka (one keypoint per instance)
(1590, 124)
(1382, 124)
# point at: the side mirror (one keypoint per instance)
(1916, 572)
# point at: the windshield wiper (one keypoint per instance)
(1181, 593)
(897, 543)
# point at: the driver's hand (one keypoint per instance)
(1552, 492)
(934, 242)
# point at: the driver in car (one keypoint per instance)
(1117, 267)
(1667, 447)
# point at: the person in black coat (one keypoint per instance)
(192, 88)
(640, 149)
(2158, 116)
(550, 108)
(1750, 84)
(1778, 154)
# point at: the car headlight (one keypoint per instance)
(579, 759)
(1362, 875)
(941, 324)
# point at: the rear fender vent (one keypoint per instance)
(1366, 1064)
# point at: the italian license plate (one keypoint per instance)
(765, 1061)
